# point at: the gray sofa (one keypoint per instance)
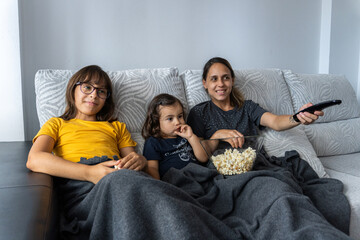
(329, 145)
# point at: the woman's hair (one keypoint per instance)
(96, 75)
(151, 127)
(236, 97)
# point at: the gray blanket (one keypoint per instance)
(282, 198)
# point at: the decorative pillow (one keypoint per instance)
(266, 87)
(335, 138)
(194, 89)
(277, 143)
(134, 89)
(317, 88)
(50, 88)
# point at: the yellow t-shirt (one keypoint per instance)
(77, 138)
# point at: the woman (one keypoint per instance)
(227, 114)
(280, 198)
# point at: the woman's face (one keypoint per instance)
(219, 83)
(88, 106)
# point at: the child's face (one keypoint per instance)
(88, 105)
(219, 82)
(171, 118)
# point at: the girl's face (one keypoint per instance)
(219, 83)
(171, 118)
(88, 106)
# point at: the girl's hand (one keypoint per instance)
(185, 131)
(98, 171)
(307, 118)
(236, 139)
(132, 161)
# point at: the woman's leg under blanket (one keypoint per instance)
(268, 208)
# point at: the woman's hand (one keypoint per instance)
(307, 118)
(235, 138)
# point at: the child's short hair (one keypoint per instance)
(87, 74)
(151, 127)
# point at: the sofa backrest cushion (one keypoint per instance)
(335, 138)
(317, 88)
(132, 92)
(266, 87)
(334, 133)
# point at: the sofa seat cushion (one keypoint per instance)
(352, 192)
(346, 163)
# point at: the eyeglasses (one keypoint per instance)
(87, 88)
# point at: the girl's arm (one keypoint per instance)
(186, 132)
(153, 168)
(40, 159)
(284, 122)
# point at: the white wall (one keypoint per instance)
(345, 41)
(11, 117)
(128, 34)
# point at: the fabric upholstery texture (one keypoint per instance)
(277, 143)
(317, 88)
(334, 138)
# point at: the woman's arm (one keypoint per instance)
(284, 122)
(131, 160)
(40, 159)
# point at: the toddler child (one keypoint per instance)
(169, 141)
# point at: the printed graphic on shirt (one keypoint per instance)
(184, 151)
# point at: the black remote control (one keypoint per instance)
(317, 107)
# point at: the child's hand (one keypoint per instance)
(100, 170)
(132, 161)
(184, 131)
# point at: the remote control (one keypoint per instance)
(317, 107)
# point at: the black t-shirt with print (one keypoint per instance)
(206, 118)
(170, 152)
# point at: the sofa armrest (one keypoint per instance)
(27, 209)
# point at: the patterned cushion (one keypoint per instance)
(316, 88)
(335, 138)
(259, 85)
(277, 143)
(133, 90)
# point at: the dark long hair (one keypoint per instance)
(236, 97)
(151, 127)
(87, 74)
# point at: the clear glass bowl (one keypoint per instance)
(230, 160)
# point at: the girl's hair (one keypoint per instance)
(236, 97)
(96, 75)
(151, 127)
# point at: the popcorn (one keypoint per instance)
(234, 162)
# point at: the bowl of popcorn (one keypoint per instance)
(228, 157)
